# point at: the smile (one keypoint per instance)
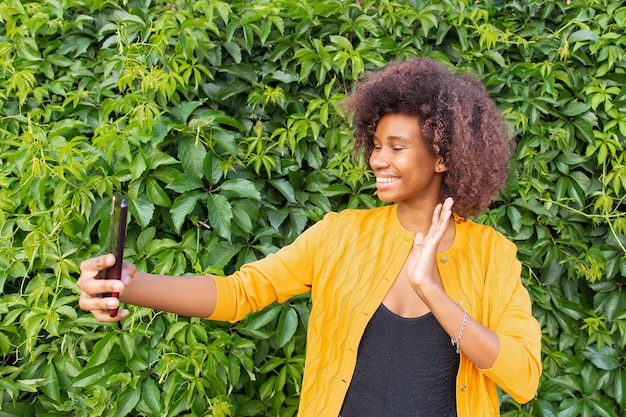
(386, 179)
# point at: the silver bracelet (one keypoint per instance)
(455, 342)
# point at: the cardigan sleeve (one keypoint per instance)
(517, 368)
(277, 277)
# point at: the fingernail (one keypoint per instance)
(112, 303)
(117, 286)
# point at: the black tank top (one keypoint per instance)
(406, 367)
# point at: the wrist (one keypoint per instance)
(431, 293)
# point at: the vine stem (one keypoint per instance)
(605, 216)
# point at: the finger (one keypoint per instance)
(100, 307)
(441, 216)
(91, 267)
(98, 303)
(128, 272)
(418, 240)
(437, 223)
(97, 287)
(436, 214)
(104, 316)
(447, 204)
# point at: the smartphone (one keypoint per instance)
(117, 239)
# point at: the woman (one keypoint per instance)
(416, 310)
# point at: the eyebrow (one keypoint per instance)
(395, 138)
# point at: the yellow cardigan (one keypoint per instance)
(349, 261)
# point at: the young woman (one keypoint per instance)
(416, 310)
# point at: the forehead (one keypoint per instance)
(398, 126)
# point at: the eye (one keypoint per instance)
(398, 148)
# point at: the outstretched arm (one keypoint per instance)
(188, 295)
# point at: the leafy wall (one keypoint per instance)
(222, 123)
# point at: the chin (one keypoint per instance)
(386, 199)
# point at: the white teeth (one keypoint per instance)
(386, 180)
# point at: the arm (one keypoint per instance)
(276, 277)
(188, 296)
(479, 343)
(507, 347)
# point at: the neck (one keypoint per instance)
(420, 219)
(416, 218)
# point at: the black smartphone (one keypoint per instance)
(117, 239)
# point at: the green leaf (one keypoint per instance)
(606, 359)
(127, 344)
(285, 189)
(126, 401)
(334, 190)
(575, 108)
(192, 157)
(151, 396)
(287, 326)
(142, 208)
(241, 188)
(100, 352)
(27, 49)
(183, 205)
(184, 182)
(582, 35)
(184, 110)
(220, 215)
(92, 376)
(156, 194)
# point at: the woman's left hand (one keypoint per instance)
(421, 265)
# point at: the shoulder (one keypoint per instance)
(378, 221)
(360, 215)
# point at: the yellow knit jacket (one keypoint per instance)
(349, 261)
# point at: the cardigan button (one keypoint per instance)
(444, 259)
(463, 388)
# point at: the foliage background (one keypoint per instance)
(221, 121)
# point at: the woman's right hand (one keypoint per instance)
(92, 288)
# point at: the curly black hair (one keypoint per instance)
(459, 122)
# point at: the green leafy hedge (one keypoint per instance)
(222, 122)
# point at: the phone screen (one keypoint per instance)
(117, 238)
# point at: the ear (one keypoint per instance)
(441, 166)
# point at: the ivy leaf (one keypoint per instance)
(52, 388)
(607, 359)
(583, 35)
(183, 205)
(192, 157)
(127, 344)
(151, 396)
(156, 194)
(126, 401)
(220, 215)
(184, 182)
(101, 350)
(143, 209)
(93, 376)
(241, 188)
(575, 108)
(184, 110)
(287, 326)
(285, 188)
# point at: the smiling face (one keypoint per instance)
(405, 168)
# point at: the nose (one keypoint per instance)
(379, 159)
